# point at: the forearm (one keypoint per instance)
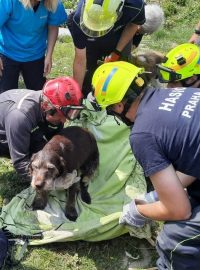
(173, 201)
(195, 36)
(79, 73)
(158, 211)
(79, 66)
(52, 37)
(126, 36)
(198, 26)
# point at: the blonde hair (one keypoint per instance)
(51, 5)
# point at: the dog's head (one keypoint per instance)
(148, 60)
(45, 167)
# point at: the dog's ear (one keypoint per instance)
(33, 157)
(62, 165)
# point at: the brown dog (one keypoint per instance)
(148, 60)
(74, 148)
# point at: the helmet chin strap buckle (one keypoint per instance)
(139, 81)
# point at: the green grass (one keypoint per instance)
(124, 252)
(117, 254)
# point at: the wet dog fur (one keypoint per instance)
(74, 148)
(148, 60)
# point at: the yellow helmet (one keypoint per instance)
(181, 62)
(99, 16)
(111, 81)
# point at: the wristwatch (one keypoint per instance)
(197, 32)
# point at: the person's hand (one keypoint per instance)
(114, 56)
(47, 65)
(131, 216)
(194, 38)
(149, 197)
(1, 67)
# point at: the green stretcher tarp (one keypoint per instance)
(118, 180)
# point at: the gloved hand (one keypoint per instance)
(131, 216)
(149, 197)
(114, 56)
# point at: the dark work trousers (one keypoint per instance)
(93, 56)
(178, 244)
(32, 73)
(3, 247)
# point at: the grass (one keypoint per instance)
(125, 252)
(117, 254)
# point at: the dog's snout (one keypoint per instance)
(39, 185)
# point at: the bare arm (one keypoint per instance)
(194, 38)
(79, 65)
(127, 35)
(174, 203)
(185, 179)
(52, 37)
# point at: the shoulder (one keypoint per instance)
(139, 4)
(134, 11)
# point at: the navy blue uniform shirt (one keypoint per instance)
(167, 131)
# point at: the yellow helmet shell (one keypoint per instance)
(98, 17)
(112, 80)
(184, 60)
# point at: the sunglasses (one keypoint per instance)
(71, 112)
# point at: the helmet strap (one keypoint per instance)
(133, 92)
(129, 100)
(127, 106)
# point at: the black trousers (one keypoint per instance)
(32, 73)
(178, 244)
(93, 56)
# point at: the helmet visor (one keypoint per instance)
(71, 112)
(166, 75)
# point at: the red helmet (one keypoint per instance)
(63, 94)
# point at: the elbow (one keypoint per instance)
(187, 215)
(183, 214)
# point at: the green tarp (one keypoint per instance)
(118, 179)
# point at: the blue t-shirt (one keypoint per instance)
(167, 131)
(133, 12)
(23, 32)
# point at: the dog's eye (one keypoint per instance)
(34, 166)
(50, 166)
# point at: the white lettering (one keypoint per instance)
(191, 106)
(172, 100)
(172, 94)
(186, 114)
(166, 106)
(193, 102)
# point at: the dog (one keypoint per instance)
(74, 148)
(148, 60)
